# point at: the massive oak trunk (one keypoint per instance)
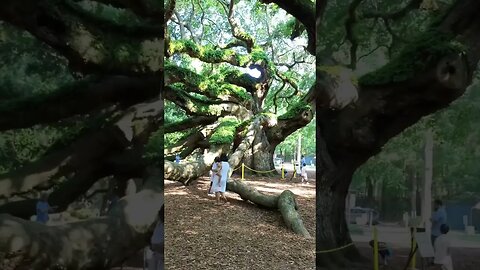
(260, 155)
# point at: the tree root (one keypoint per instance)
(285, 203)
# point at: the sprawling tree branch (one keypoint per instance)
(190, 123)
(90, 148)
(77, 98)
(237, 31)
(396, 15)
(304, 11)
(284, 202)
(200, 107)
(297, 117)
(105, 237)
(88, 48)
(79, 166)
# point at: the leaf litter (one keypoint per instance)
(238, 235)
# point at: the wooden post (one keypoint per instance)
(243, 171)
(414, 256)
(299, 151)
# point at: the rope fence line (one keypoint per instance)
(259, 171)
(243, 166)
(334, 249)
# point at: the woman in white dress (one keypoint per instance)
(214, 174)
(221, 184)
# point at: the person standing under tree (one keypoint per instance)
(304, 173)
(220, 186)
(215, 172)
(439, 217)
(43, 208)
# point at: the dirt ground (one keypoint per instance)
(463, 258)
(239, 235)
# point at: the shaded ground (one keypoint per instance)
(465, 248)
(463, 258)
(240, 235)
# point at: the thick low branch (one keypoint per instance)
(89, 149)
(192, 170)
(284, 127)
(189, 171)
(80, 165)
(78, 98)
(187, 146)
(190, 123)
(99, 243)
(285, 203)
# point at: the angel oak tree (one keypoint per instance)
(225, 109)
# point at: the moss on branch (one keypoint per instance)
(417, 56)
(225, 131)
(214, 86)
(211, 54)
(207, 54)
(294, 110)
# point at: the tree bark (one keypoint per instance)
(284, 202)
(261, 155)
(90, 149)
(332, 186)
(94, 244)
(79, 98)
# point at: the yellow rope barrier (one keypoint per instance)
(335, 249)
(259, 171)
(414, 243)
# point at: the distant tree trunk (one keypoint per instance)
(427, 188)
(383, 199)
(413, 198)
(332, 228)
(333, 182)
(370, 186)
